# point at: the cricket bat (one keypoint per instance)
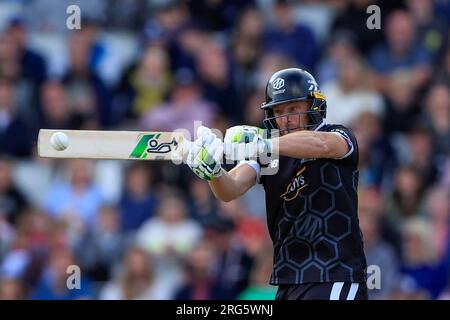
(112, 145)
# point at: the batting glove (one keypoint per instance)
(205, 155)
(246, 142)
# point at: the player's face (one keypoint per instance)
(291, 116)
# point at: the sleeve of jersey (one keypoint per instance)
(349, 141)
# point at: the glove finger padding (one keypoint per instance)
(251, 151)
(192, 155)
(205, 135)
(244, 142)
(205, 156)
(215, 150)
(203, 131)
(218, 154)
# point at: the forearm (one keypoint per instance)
(306, 144)
(233, 184)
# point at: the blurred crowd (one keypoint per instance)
(141, 230)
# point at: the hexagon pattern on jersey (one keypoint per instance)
(312, 236)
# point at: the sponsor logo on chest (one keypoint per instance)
(295, 186)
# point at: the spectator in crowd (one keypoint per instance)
(16, 260)
(217, 16)
(420, 154)
(420, 260)
(12, 201)
(32, 65)
(258, 288)
(15, 133)
(233, 261)
(340, 46)
(98, 49)
(291, 38)
(407, 289)
(6, 235)
(34, 235)
(352, 93)
(202, 204)
(444, 71)
(432, 30)
(445, 177)
(406, 199)
(402, 107)
(27, 92)
(201, 281)
(437, 113)
(34, 229)
(101, 249)
(169, 236)
(126, 16)
(9, 66)
(186, 45)
(171, 231)
(445, 295)
(377, 159)
(170, 17)
(252, 114)
(245, 56)
(214, 73)
(246, 50)
(401, 52)
(151, 81)
(250, 231)
(247, 235)
(11, 289)
(56, 111)
(250, 24)
(88, 94)
(379, 253)
(138, 201)
(352, 17)
(76, 199)
(53, 284)
(437, 211)
(136, 280)
(185, 106)
(270, 63)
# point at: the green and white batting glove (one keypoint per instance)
(205, 155)
(246, 142)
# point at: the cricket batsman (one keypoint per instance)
(311, 201)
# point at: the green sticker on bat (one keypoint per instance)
(149, 144)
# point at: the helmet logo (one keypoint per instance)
(313, 85)
(278, 83)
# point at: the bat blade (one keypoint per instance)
(113, 145)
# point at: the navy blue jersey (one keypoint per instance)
(312, 207)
